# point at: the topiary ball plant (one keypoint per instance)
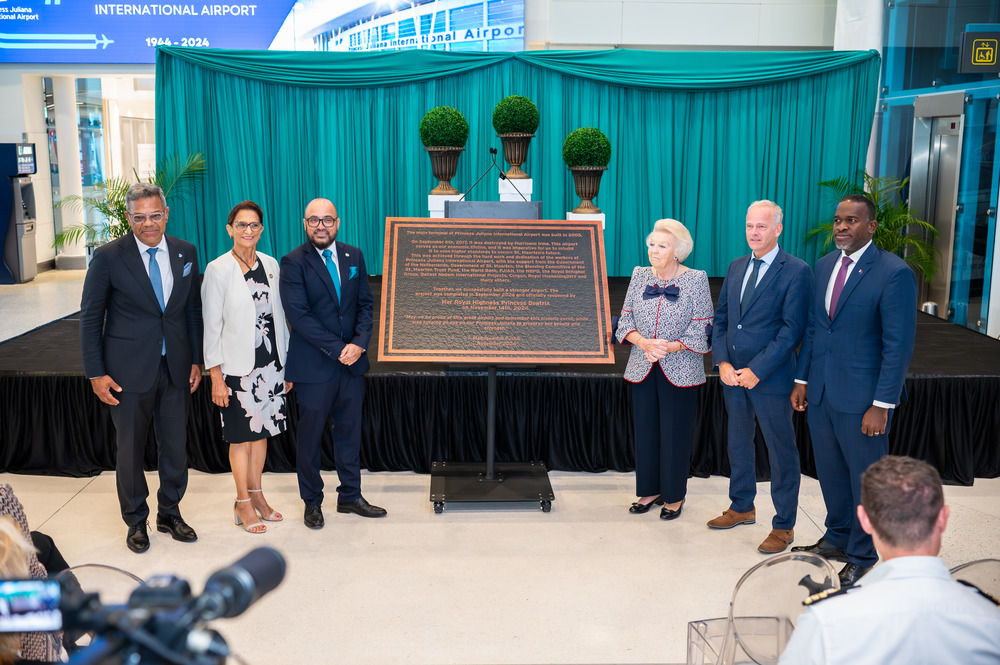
(587, 146)
(444, 126)
(515, 114)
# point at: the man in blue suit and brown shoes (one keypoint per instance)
(759, 323)
(852, 367)
(329, 305)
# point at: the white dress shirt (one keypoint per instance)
(766, 262)
(162, 260)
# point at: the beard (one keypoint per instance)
(322, 243)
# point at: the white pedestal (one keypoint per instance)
(570, 216)
(508, 193)
(435, 203)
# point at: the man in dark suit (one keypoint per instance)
(759, 323)
(140, 331)
(854, 359)
(328, 303)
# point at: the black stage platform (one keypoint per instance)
(571, 417)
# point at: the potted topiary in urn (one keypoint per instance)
(444, 131)
(587, 152)
(515, 119)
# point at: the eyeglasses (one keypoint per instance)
(156, 218)
(328, 222)
(253, 226)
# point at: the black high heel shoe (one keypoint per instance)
(640, 508)
(667, 514)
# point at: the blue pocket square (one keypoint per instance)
(353, 273)
(187, 269)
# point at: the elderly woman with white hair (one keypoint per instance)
(665, 317)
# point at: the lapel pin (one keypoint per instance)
(346, 254)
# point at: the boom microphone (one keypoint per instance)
(230, 591)
(493, 151)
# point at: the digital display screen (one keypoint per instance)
(74, 31)
(29, 606)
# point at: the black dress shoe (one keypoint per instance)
(824, 549)
(851, 573)
(314, 517)
(640, 508)
(667, 514)
(176, 527)
(361, 507)
(137, 538)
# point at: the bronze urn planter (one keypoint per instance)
(444, 165)
(587, 182)
(515, 151)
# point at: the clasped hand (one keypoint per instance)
(737, 377)
(350, 354)
(656, 349)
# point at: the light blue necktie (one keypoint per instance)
(157, 281)
(332, 268)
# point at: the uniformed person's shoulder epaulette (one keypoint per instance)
(980, 592)
(826, 593)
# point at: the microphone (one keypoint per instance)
(503, 176)
(230, 591)
(493, 151)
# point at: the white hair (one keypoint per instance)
(776, 213)
(683, 244)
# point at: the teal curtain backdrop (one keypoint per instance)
(695, 136)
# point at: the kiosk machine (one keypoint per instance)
(17, 213)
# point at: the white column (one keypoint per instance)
(35, 132)
(70, 177)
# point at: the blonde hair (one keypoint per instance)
(14, 551)
(683, 244)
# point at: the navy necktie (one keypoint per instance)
(751, 285)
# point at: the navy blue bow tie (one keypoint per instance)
(655, 291)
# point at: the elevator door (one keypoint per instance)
(937, 151)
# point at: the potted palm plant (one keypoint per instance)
(587, 152)
(515, 119)
(444, 131)
(899, 231)
(173, 176)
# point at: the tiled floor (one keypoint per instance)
(586, 583)
(51, 295)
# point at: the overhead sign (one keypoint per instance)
(85, 31)
(980, 53)
(128, 32)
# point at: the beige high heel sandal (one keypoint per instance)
(256, 527)
(275, 516)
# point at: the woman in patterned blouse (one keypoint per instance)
(246, 341)
(665, 317)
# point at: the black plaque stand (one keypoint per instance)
(503, 482)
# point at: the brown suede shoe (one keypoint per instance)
(729, 519)
(777, 541)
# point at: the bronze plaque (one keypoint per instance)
(494, 291)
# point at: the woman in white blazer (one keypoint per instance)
(246, 339)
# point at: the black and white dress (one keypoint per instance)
(257, 401)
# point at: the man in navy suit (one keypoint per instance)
(140, 333)
(328, 303)
(854, 360)
(759, 323)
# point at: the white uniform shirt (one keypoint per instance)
(907, 610)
